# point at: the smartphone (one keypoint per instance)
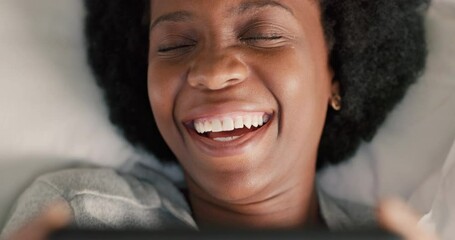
(223, 235)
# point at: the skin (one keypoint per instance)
(265, 56)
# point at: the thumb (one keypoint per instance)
(55, 217)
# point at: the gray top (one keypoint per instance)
(142, 199)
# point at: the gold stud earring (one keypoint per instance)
(335, 102)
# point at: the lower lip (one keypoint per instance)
(230, 148)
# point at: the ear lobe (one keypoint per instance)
(335, 99)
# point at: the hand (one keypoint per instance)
(53, 218)
(399, 218)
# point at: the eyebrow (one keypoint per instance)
(251, 5)
(242, 8)
(180, 16)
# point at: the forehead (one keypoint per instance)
(223, 8)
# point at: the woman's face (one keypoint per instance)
(218, 69)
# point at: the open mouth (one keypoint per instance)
(227, 129)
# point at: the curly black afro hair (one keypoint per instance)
(378, 50)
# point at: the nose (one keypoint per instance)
(216, 70)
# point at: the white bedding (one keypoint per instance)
(413, 154)
(441, 186)
(51, 112)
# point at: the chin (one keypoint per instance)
(240, 188)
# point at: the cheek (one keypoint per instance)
(163, 85)
(299, 81)
(304, 111)
(159, 92)
(301, 85)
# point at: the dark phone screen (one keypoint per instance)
(223, 234)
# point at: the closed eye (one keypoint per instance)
(264, 41)
(175, 44)
(261, 38)
(174, 47)
(262, 34)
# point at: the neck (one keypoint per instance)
(295, 207)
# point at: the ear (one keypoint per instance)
(335, 98)
(335, 88)
(334, 84)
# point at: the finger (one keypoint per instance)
(53, 218)
(56, 217)
(398, 217)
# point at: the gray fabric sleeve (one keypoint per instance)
(343, 215)
(105, 199)
(36, 198)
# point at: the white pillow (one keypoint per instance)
(52, 112)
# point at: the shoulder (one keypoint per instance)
(101, 183)
(106, 199)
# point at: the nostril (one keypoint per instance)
(214, 83)
(217, 72)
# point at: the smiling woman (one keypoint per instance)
(213, 74)
(210, 68)
(250, 97)
(363, 39)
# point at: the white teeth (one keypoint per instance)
(216, 126)
(207, 127)
(226, 139)
(260, 121)
(265, 118)
(238, 122)
(255, 121)
(229, 124)
(247, 121)
(199, 127)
